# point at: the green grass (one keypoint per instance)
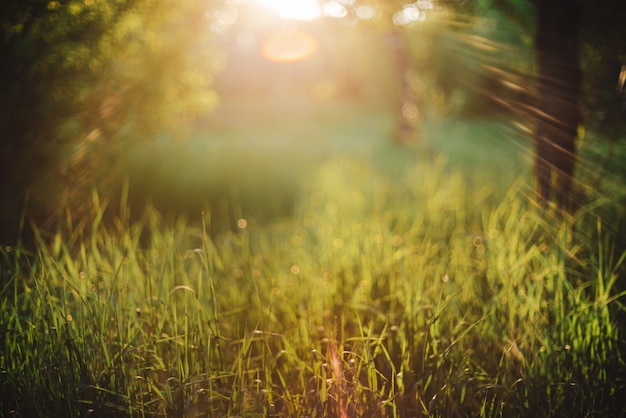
(427, 294)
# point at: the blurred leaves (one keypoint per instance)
(85, 79)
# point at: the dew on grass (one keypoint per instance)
(396, 240)
(242, 223)
(294, 269)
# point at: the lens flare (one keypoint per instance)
(288, 46)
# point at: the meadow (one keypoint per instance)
(399, 283)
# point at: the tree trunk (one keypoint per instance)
(558, 99)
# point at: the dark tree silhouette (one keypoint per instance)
(558, 99)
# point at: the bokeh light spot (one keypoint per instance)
(409, 111)
(409, 13)
(335, 9)
(365, 12)
(317, 198)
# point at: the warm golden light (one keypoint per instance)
(293, 9)
(289, 45)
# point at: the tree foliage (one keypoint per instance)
(602, 54)
(84, 79)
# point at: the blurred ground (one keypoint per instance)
(250, 156)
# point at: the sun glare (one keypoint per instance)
(293, 9)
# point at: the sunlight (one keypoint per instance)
(293, 9)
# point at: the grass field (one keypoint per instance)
(398, 284)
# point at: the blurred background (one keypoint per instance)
(227, 106)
